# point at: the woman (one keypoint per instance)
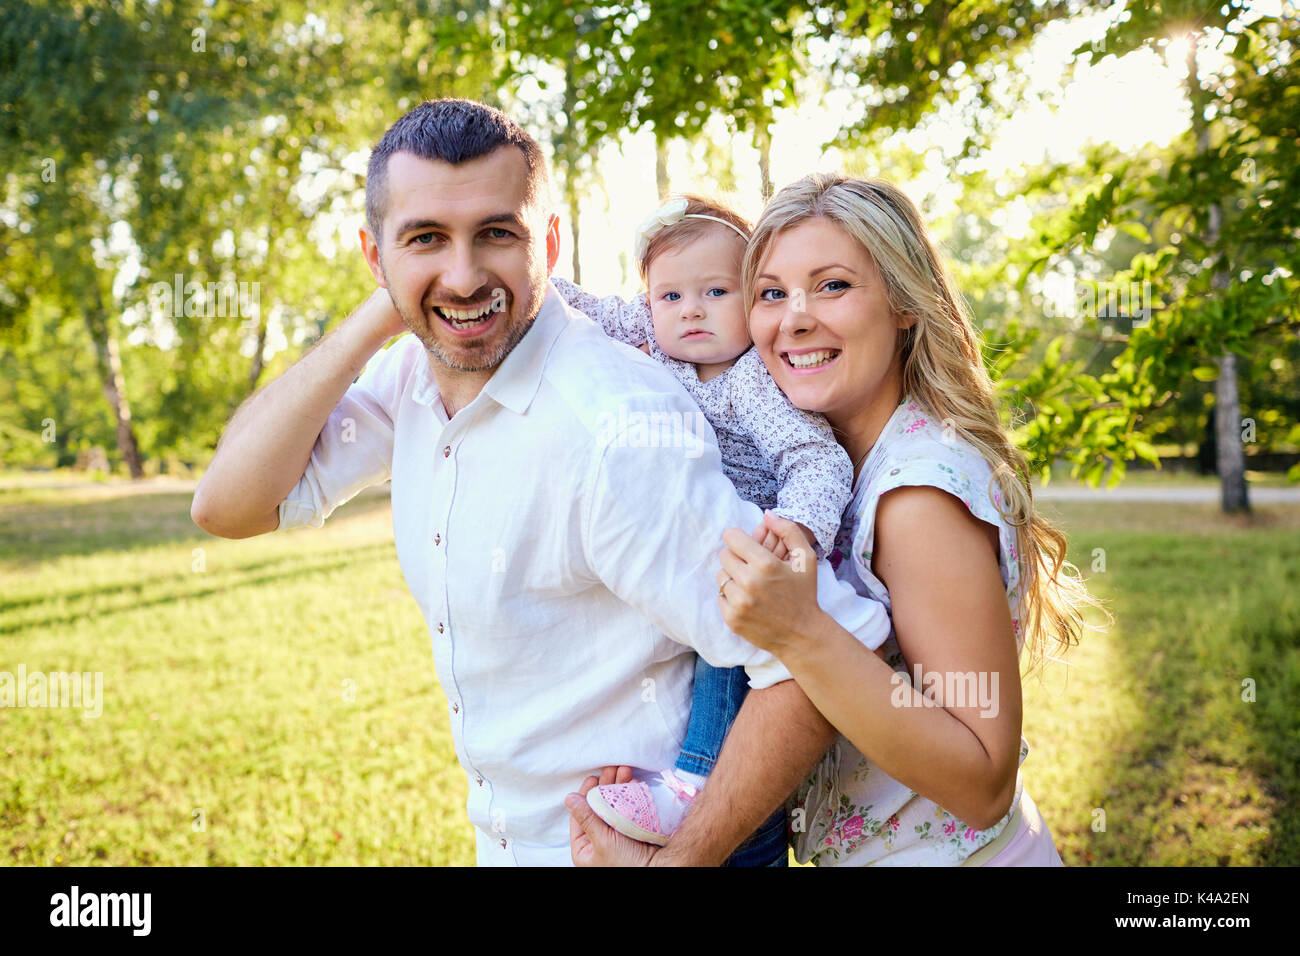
(841, 276)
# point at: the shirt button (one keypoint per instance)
(503, 844)
(446, 451)
(479, 781)
(440, 627)
(455, 708)
(437, 539)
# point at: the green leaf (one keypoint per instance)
(1146, 451)
(1136, 230)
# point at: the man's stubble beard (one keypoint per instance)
(423, 330)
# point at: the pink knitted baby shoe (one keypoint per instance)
(649, 812)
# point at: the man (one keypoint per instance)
(564, 572)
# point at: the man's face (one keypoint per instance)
(463, 256)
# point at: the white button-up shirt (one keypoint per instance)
(560, 535)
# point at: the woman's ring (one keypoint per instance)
(723, 585)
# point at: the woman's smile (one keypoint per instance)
(810, 361)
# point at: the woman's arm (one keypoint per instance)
(951, 619)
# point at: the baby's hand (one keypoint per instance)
(765, 536)
(768, 539)
(807, 533)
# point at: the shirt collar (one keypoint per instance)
(517, 379)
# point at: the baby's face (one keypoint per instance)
(696, 302)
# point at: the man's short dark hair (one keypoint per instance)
(453, 131)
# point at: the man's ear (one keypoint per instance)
(371, 250)
(552, 243)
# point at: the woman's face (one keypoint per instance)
(822, 324)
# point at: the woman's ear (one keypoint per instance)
(907, 326)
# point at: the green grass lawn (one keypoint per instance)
(276, 706)
(273, 701)
(1148, 724)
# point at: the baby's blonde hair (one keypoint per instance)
(687, 230)
(943, 368)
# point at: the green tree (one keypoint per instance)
(213, 142)
(1226, 208)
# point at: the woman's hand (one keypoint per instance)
(592, 841)
(768, 592)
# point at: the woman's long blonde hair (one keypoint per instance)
(943, 368)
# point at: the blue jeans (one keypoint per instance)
(718, 694)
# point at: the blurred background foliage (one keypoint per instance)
(1145, 308)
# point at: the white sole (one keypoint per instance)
(619, 822)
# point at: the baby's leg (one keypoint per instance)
(715, 701)
(717, 697)
(651, 810)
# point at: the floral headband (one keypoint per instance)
(670, 212)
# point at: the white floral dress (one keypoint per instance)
(850, 812)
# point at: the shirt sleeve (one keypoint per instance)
(653, 529)
(627, 320)
(813, 472)
(354, 449)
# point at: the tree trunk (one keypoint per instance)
(263, 315)
(661, 166)
(568, 154)
(573, 227)
(255, 373)
(110, 373)
(1227, 399)
(1232, 465)
(763, 140)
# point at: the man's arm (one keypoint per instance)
(776, 739)
(656, 517)
(267, 445)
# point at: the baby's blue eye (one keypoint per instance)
(764, 295)
(721, 292)
(672, 296)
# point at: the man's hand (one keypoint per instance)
(380, 311)
(267, 445)
(594, 843)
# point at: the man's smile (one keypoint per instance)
(473, 320)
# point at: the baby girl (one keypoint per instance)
(693, 320)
